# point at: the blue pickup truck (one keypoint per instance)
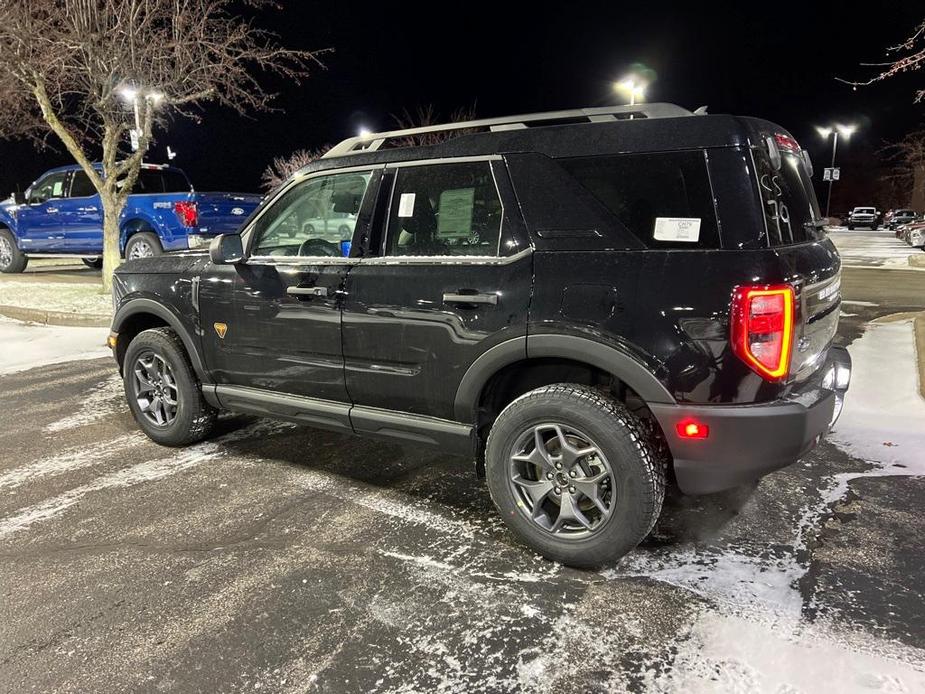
(60, 214)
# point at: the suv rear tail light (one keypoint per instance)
(187, 213)
(762, 328)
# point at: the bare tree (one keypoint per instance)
(88, 71)
(907, 158)
(281, 168)
(427, 115)
(908, 56)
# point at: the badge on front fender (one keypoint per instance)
(220, 329)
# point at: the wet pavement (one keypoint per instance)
(277, 558)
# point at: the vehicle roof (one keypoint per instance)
(637, 135)
(99, 165)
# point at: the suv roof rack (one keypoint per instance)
(373, 141)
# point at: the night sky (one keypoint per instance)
(770, 59)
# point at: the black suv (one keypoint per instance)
(590, 304)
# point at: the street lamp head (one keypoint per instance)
(128, 93)
(364, 132)
(824, 132)
(846, 130)
(631, 86)
(155, 97)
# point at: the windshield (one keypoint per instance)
(864, 210)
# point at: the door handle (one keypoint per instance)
(451, 298)
(307, 291)
(51, 210)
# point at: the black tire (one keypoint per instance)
(12, 259)
(193, 418)
(875, 227)
(93, 263)
(851, 227)
(144, 244)
(637, 473)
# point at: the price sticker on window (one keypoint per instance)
(406, 205)
(682, 229)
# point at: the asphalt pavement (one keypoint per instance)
(284, 559)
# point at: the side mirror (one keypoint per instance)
(19, 198)
(226, 249)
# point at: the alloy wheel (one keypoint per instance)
(561, 480)
(156, 391)
(141, 249)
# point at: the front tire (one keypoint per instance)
(144, 244)
(574, 475)
(12, 259)
(162, 390)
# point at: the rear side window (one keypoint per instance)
(664, 198)
(81, 186)
(790, 208)
(444, 209)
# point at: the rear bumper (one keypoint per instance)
(746, 442)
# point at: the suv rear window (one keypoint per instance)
(664, 199)
(790, 207)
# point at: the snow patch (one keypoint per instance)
(27, 346)
(103, 400)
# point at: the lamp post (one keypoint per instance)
(834, 130)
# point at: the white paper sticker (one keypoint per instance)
(685, 229)
(406, 205)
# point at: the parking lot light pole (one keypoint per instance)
(834, 131)
(134, 96)
(635, 88)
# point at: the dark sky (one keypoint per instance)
(772, 59)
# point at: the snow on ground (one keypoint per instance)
(87, 298)
(25, 346)
(880, 249)
(884, 417)
(758, 640)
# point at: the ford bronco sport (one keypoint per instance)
(589, 306)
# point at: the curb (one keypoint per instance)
(916, 260)
(63, 318)
(918, 327)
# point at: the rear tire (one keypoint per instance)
(93, 263)
(12, 259)
(162, 390)
(851, 227)
(144, 244)
(598, 505)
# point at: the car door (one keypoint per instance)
(451, 278)
(272, 324)
(38, 222)
(82, 217)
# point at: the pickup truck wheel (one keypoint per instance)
(574, 475)
(12, 259)
(143, 245)
(162, 390)
(93, 263)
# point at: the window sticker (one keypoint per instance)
(57, 189)
(455, 218)
(406, 205)
(683, 229)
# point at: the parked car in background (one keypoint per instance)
(913, 234)
(61, 214)
(864, 217)
(897, 218)
(551, 297)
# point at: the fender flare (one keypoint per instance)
(141, 305)
(605, 357)
(136, 217)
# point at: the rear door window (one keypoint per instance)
(444, 209)
(81, 187)
(663, 198)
